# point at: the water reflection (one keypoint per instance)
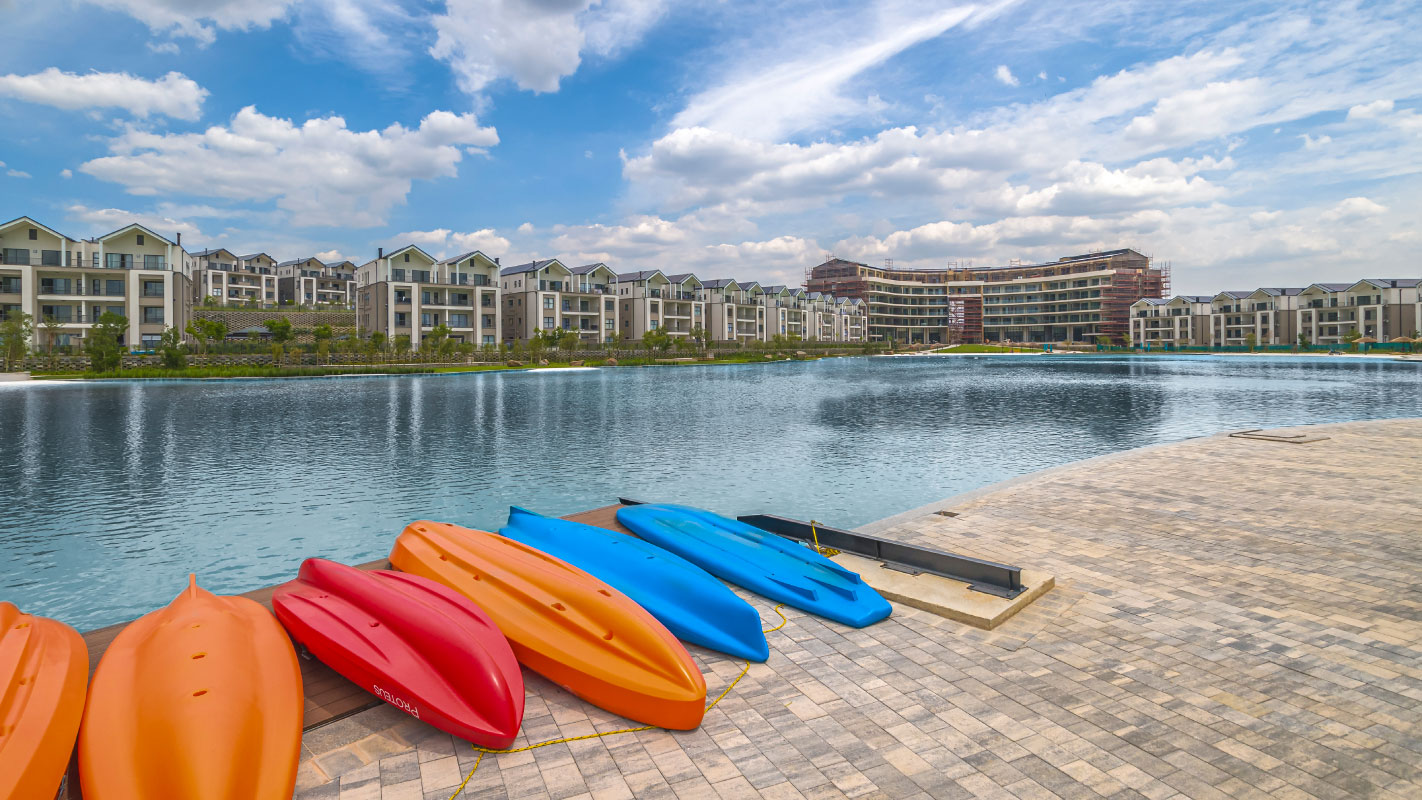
(114, 491)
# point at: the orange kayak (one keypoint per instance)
(44, 670)
(563, 623)
(200, 700)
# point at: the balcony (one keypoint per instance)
(21, 257)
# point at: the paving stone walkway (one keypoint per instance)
(1232, 618)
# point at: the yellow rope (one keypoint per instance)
(784, 620)
(824, 551)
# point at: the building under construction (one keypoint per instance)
(1075, 299)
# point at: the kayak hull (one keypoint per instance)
(692, 604)
(44, 674)
(760, 561)
(563, 623)
(420, 646)
(200, 700)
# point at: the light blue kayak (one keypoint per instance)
(760, 561)
(694, 606)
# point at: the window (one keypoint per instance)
(49, 258)
(420, 275)
(140, 240)
(56, 286)
(17, 255)
(116, 310)
(407, 258)
(117, 260)
(9, 285)
(153, 314)
(654, 306)
(609, 305)
(402, 319)
(458, 320)
(56, 313)
(397, 274)
(151, 340)
(548, 303)
(34, 235)
(152, 288)
(548, 324)
(109, 288)
(652, 324)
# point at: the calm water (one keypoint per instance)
(113, 492)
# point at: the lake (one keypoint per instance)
(114, 491)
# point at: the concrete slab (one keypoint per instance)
(946, 597)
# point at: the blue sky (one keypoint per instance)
(1247, 143)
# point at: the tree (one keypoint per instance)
(568, 340)
(1251, 341)
(280, 330)
(174, 352)
(102, 344)
(535, 345)
(1103, 341)
(402, 343)
(701, 336)
(433, 342)
(1351, 337)
(52, 327)
(377, 341)
(657, 339)
(15, 331)
(322, 333)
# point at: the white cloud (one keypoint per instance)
(18, 173)
(1373, 110)
(330, 257)
(66, 173)
(443, 242)
(174, 95)
(1041, 76)
(1353, 209)
(197, 20)
(1312, 143)
(1005, 76)
(798, 82)
(320, 172)
(104, 220)
(535, 43)
(164, 48)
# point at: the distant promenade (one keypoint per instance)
(1233, 617)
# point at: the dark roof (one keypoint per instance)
(250, 256)
(1332, 287)
(143, 228)
(1153, 301)
(1236, 294)
(680, 277)
(296, 261)
(1196, 298)
(1274, 291)
(718, 283)
(532, 266)
(588, 268)
(1390, 283)
(638, 276)
(772, 289)
(462, 256)
(215, 250)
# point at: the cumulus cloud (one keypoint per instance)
(1353, 209)
(443, 242)
(1373, 110)
(18, 173)
(163, 48)
(173, 95)
(320, 172)
(534, 43)
(104, 220)
(66, 173)
(330, 257)
(199, 20)
(1313, 143)
(1005, 76)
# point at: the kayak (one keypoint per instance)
(419, 646)
(694, 606)
(762, 562)
(200, 700)
(44, 672)
(563, 623)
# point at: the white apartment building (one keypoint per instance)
(66, 284)
(223, 278)
(547, 295)
(410, 293)
(311, 282)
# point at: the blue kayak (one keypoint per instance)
(694, 606)
(759, 561)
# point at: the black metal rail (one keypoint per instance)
(989, 577)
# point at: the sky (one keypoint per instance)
(1246, 143)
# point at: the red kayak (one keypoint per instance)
(423, 648)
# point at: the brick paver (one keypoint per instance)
(1232, 618)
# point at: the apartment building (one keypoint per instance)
(1325, 313)
(1076, 298)
(410, 293)
(67, 284)
(649, 300)
(223, 278)
(547, 295)
(310, 282)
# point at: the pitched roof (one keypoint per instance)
(643, 275)
(719, 283)
(587, 269)
(296, 261)
(131, 226)
(532, 266)
(680, 277)
(463, 256)
(251, 256)
(201, 253)
(39, 225)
